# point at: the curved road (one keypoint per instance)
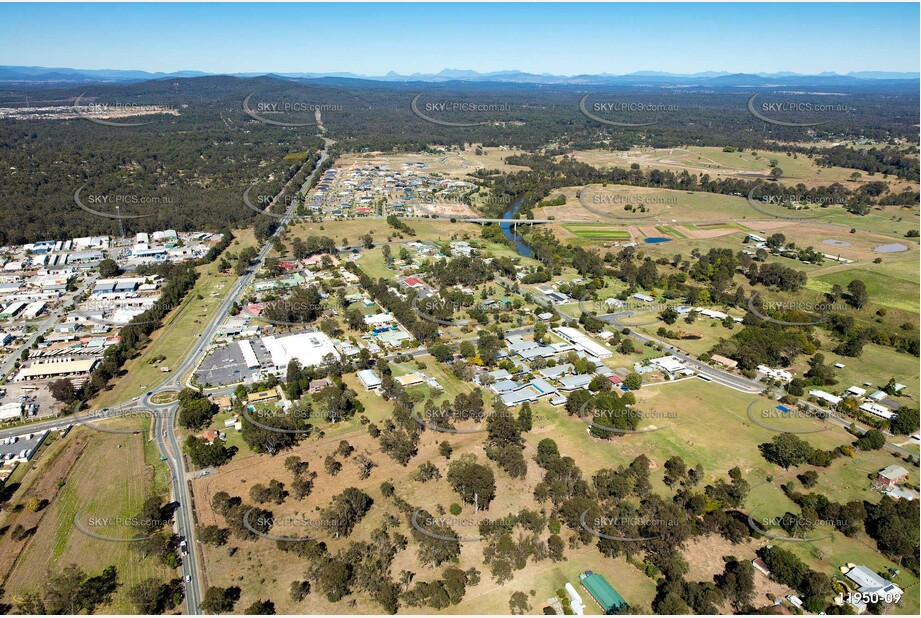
(163, 428)
(726, 378)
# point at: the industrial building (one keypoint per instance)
(57, 368)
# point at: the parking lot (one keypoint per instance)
(21, 447)
(226, 365)
(30, 394)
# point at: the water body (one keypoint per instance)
(520, 245)
(895, 247)
(652, 240)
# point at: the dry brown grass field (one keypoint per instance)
(716, 163)
(80, 478)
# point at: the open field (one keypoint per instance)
(876, 365)
(705, 558)
(887, 290)
(545, 578)
(91, 486)
(828, 549)
(705, 216)
(700, 421)
(706, 331)
(372, 262)
(39, 478)
(713, 161)
(596, 232)
(451, 386)
(348, 232)
(608, 203)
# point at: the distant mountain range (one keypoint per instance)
(57, 76)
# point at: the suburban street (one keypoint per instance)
(164, 425)
(731, 380)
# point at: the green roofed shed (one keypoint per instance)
(602, 592)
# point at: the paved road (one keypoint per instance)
(165, 423)
(732, 380)
(719, 376)
(164, 428)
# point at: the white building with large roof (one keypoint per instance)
(583, 342)
(56, 368)
(309, 349)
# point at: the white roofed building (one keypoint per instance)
(826, 397)
(583, 342)
(781, 375)
(310, 349)
(670, 364)
(877, 410)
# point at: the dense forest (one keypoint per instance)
(873, 160)
(195, 160)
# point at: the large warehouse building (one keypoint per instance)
(310, 349)
(58, 368)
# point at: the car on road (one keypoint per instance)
(188, 578)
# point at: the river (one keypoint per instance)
(520, 245)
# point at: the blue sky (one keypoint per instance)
(372, 39)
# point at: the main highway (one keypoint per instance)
(164, 417)
(164, 423)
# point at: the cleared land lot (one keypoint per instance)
(348, 232)
(713, 161)
(608, 203)
(92, 486)
(453, 163)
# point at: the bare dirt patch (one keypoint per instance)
(705, 559)
(450, 209)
